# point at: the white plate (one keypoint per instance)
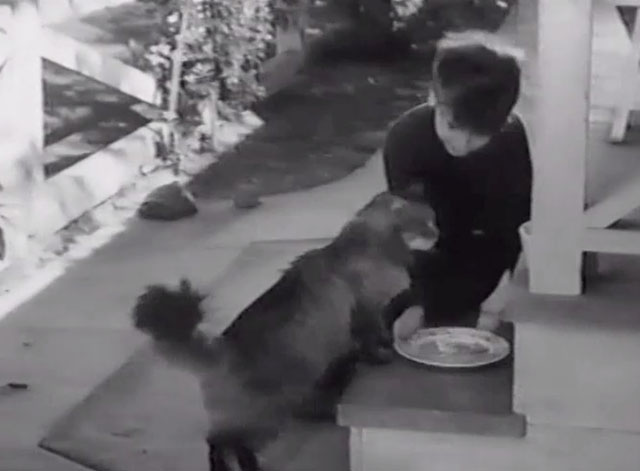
(454, 347)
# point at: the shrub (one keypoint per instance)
(403, 11)
(225, 43)
(390, 15)
(424, 18)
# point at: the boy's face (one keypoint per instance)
(458, 141)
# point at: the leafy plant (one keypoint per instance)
(402, 11)
(221, 45)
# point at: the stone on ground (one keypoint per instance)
(168, 202)
(247, 198)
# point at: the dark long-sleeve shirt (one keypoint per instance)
(486, 194)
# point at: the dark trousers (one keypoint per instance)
(452, 282)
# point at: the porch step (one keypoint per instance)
(576, 377)
(406, 396)
(576, 357)
(544, 448)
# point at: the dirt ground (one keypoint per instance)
(319, 130)
(334, 118)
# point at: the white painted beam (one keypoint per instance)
(618, 241)
(621, 201)
(84, 59)
(557, 448)
(67, 195)
(558, 134)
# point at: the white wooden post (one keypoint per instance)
(559, 145)
(356, 449)
(21, 121)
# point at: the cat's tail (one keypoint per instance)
(171, 316)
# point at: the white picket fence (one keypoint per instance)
(30, 30)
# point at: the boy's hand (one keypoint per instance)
(408, 323)
(497, 301)
(494, 306)
(489, 321)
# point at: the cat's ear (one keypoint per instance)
(398, 203)
(413, 192)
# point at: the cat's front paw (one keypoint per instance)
(378, 355)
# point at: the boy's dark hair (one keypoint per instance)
(479, 78)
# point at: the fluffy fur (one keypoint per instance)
(297, 337)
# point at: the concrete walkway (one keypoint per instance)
(76, 332)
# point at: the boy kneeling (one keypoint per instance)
(467, 155)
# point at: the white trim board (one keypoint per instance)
(616, 205)
(67, 195)
(88, 61)
(52, 11)
(617, 241)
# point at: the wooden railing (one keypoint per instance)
(31, 205)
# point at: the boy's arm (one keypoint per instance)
(515, 201)
(516, 211)
(518, 201)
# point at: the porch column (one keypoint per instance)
(21, 117)
(558, 130)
